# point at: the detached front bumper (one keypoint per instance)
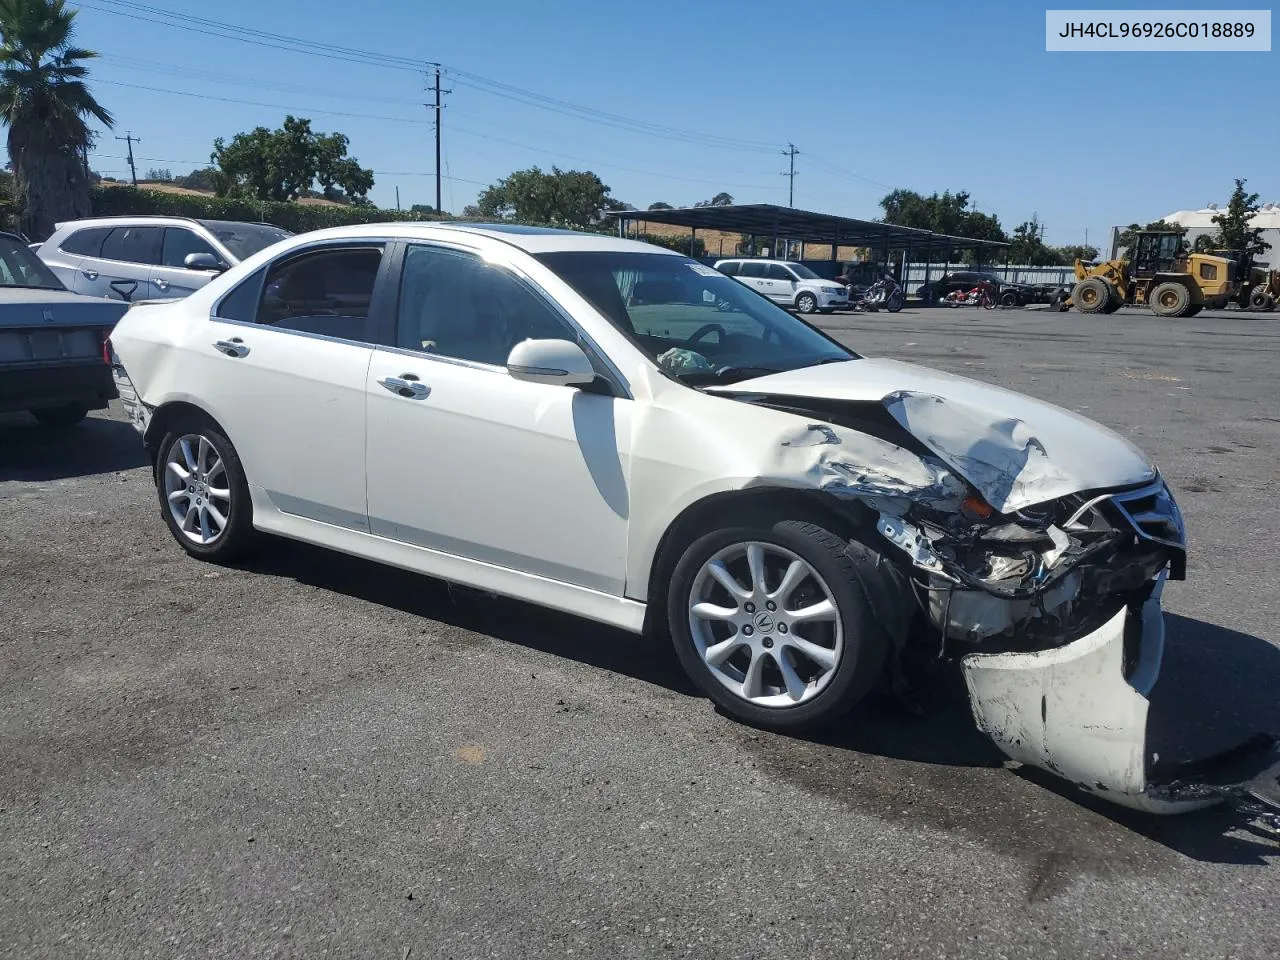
(1072, 711)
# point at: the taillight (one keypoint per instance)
(106, 346)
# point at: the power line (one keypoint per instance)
(139, 11)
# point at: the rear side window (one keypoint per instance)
(731, 268)
(87, 242)
(133, 245)
(753, 270)
(325, 292)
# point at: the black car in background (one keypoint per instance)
(1008, 292)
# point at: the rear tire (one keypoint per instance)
(203, 492)
(1009, 298)
(1114, 304)
(1092, 295)
(1170, 299)
(1193, 309)
(1261, 300)
(60, 418)
(785, 667)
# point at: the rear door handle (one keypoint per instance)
(162, 285)
(90, 274)
(406, 386)
(233, 348)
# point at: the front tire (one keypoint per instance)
(60, 418)
(1009, 298)
(1170, 299)
(772, 622)
(1092, 295)
(204, 496)
(806, 303)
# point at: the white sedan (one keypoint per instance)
(615, 430)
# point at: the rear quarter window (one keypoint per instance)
(86, 242)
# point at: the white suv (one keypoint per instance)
(787, 282)
(150, 258)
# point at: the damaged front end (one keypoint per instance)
(1038, 555)
(1054, 613)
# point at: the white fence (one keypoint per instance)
(1015, 274)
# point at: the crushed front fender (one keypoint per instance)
(1073, 711)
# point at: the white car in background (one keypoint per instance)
(788, 283)
(612, 429)
(150, 258)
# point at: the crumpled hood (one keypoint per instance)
(1016, 451)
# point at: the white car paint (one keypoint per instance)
(562, 496)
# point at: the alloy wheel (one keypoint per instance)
(765, 624)
(197, 489)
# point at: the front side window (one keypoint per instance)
(454, 304)
(777, 271)
(693, 322)
(325, 292)
(179, 243)
(133, 245)
(802, 272)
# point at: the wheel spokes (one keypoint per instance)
(703, 610)
(188, 455)
(720, 652)
(822, 610)
(721, 573)
(795, 575)
(755, 562)
(822, 656)
(178, 470)
(796, 686)
(753, 685)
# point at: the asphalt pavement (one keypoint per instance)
(314, 756)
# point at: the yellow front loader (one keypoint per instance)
(1159, 274)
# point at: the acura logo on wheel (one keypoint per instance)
(764, 621)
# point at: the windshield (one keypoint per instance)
(692, 321)
(243, 240)
(19, 267)
(803, 272)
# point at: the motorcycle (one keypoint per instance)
(979, 296)
(884, 293)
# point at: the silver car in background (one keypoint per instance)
(150, 258)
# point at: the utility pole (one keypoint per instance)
(397, 198)
(791, 152)
(438, 108)
(130, 139)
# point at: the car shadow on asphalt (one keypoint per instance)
(32, 453)
(1217, 688)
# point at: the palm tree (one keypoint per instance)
(46, 105)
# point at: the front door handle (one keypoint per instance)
(232, 348)
(162, 285)
(90, 274)
(406, 386)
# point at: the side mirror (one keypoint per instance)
(561, 362)
(202, 261)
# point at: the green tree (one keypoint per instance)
(576, 198)
(47, 107)
(1234, 231)
(719, 200)
(422, 209)
(283, 164)
(203, 179)
(947, 213)
(661, 206)
(1070, 254)
(159, 173)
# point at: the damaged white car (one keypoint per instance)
(617, 431)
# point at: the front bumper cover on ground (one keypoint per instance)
(1071, 711)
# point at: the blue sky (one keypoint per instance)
(929, 95)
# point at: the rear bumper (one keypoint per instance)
(39, 387)
(1073, 712)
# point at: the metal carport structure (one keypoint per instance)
(767, 220)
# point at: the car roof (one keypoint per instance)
(156, 220)
(530, 239)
